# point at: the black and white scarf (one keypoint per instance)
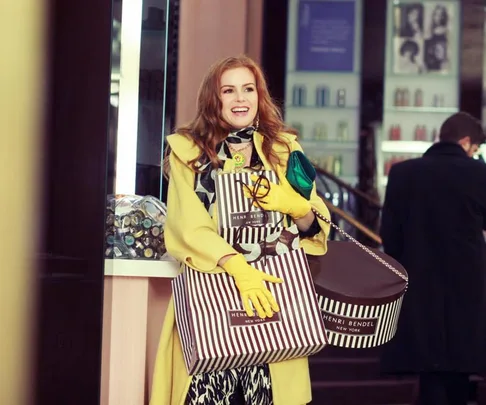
(204, 184)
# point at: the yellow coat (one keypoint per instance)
(191, 237)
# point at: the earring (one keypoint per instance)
(257, 123)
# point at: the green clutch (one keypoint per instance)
(301, 173)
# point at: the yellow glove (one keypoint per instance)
(278, 197)
(249, 282)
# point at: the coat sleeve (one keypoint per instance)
(316, 245)
(191, 235)
(391, 227)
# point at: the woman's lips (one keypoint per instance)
(240, 111)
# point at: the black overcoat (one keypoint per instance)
(432, 222)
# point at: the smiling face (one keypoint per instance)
(239, 97)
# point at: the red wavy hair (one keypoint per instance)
(208, 129)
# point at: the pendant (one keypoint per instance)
(239, 159)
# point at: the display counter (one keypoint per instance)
(136, 296)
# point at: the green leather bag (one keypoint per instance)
(300, 173)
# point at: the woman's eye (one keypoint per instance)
(250, 89)
(227, 91)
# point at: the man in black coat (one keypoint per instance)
(433, 219)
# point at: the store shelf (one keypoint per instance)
(320, 72)
(323, 108)
(437, 110)
(141, 268)
(426, 76)
(405, 146)
(329, 145)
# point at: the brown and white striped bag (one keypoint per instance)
(237, 214)
(216, 334)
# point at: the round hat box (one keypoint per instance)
(360, 298)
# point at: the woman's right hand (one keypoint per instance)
(249, 282)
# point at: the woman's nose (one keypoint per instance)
(240, 96)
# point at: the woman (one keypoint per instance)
(408, 61)
(236, 124)
(413, 23)
(439, 23)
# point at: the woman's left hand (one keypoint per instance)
(277, 197)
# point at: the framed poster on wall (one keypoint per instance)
(424, 37)
(326, 36)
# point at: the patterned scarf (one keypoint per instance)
(204, 184)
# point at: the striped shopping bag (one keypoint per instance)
(216, 333)
(238, 219)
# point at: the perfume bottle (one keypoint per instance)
(398, 97)
(342, 131)
(438, 100)
(420, 133)
(320, 132)
(406, 97)
(341, 98)
(419, 98)
(395, 133)
(299, 95)
(322, 96)
(337, 168)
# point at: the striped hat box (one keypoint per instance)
(235, 210)
(359, 326)
(360, 298)
(216, 334)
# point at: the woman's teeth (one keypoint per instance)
(240, 110)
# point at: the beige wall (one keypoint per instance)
(210, 30)
(21, 104)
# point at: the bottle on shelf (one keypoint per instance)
(322, 96)
(438, 100)
(341, 98)
(398, 99)
(420, 133)
(406, 97)
(337, 169)
(394, 133)
(342, 131)
(329, 163)
(320, 131)
(299, 95)
(418, 98)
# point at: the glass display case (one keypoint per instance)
(421, 78)
(138, 122)
(323, 81)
